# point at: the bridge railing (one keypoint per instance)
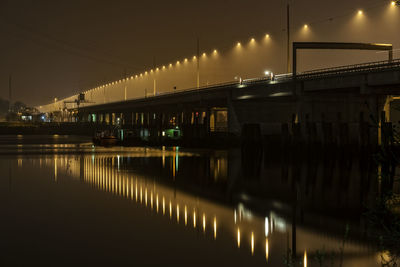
(356, 68)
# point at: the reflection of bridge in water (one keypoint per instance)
(260, 235)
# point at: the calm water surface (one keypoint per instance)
(65, 202)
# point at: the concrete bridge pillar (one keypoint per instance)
(128, 118)
(233, 122)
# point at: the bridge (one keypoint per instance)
(344, 105)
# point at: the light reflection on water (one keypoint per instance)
(263, 235)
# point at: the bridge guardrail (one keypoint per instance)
(356, 68)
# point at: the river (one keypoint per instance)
(65, 202)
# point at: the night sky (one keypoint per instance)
(58, 48)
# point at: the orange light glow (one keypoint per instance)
(305, 259)
(238, 238)
(252, 243)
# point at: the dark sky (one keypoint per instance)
(57, 48)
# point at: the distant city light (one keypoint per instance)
(185, 60)
(305, 26)
(360, 12)
(204, 54)
(157, 69)
(238, 44)
(215, 51)
(267, 35)
(252, 40)
(194, 57)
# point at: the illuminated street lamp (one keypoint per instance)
(269, 75)
(240, 79)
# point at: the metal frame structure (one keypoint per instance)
(338, 46)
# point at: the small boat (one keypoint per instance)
(105, 138)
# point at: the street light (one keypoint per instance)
(269, 74)
(240, 79)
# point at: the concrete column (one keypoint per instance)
(233, 122)
(127, 118)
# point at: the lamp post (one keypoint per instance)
(198, 63)
(9, 93)
(288, 36)
(154, 76)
